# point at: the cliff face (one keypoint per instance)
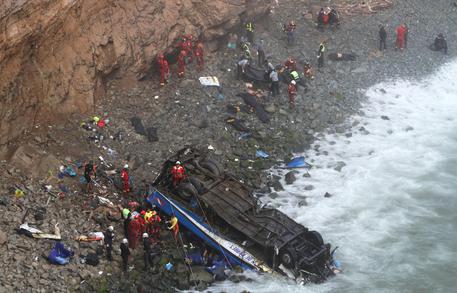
(55, 55)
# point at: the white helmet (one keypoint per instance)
(178, 163)
(293, 82)
(126, 166)
(111, 228)
(125, 241)
(145, 235)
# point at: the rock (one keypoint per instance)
(200, 275)
(384, 117)
(270, 108)
(290, 177)
(3, 237)
(302, 203)
(339, 166)
(309, 187)
(307, 175)
(273, 195)
(328, 195)
(409, 128)
(361, 69)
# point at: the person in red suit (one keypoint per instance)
(400, 42)
(290, 64)
(178, 173)
(292, 90)
(181, 63)
(164, 69)
(125, 178)
(198, 52)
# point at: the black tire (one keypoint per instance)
(212, 167)
(315, 238)
(286, 259)
(198, 184)
(187, 190)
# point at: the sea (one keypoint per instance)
(393, 209)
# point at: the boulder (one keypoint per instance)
(3, 237)
(290, 177)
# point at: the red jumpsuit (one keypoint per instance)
(291, 64)
(400, 43)
(125, 180)
(181, 63)
(164, 70)
(136, 229)
(198, 52)
(178, 174)
(187, 47)
(292, 90)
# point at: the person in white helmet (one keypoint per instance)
(125, 253)
(292, 90)
(125, 178)
(178, 173)
(147, 251)
(109, 236)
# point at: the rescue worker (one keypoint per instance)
(320, 18)
(294, 75)
(198, 52)
(292, 90)
(320, 55)
(333, 17)
(109, 236)
(174, 226)
(308, 70)
(164, 69)
(250, 32)
(125, 179)
(153, 221)
(125, 253)
(382, 38)
(181, 63)
(188, 48)
(274, 82)
(147, 251)
(89, 175)
(178, 173)
(406, 34)
(127, 216)
(240, 67)
(269, 66)
(290, 30)
(247, 51)
(260, 53)
(440, 44)
(400, 41)
(290, 64)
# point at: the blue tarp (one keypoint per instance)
(261, 154)
(59, 254)
(297, 162)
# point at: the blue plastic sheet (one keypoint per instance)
(59, 254)
(297, 162)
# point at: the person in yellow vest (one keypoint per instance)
(174, 226)
(320, 55)
(250, 31)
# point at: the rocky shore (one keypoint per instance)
(182, 113)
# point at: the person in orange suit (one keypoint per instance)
(181, 63)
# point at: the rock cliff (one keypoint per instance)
(56, 55)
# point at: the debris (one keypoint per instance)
(297, 162)
(209, 81)
(92, 236)
(35, 233)
(60, 255)
(261, 154)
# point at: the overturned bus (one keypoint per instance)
(224, 213)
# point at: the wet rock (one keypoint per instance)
(270, 108)
(273, 195)
(409, 128)
(384, 117)
(290, 177)
(309, 187)
(339, 166)
(200, 275)
(302, 203)
(328, 195)
(307, 175)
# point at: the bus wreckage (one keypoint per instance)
(223, 213)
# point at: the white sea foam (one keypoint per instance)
(391, 196)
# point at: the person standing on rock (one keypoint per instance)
(164, 69)
(440, 44)
(125, 253)
(290, 31)
(198, 52)
(400, 41)
(250, 32)
(181, 63)
(89, 175)
(382, 38)
(178, 173)
(308, 70)
(292, 90)
(274, 83)
(125, 179)
(147, 251)
(320, 18)
(320, 55)
(240, 67)
(260, 53)
(109, 236)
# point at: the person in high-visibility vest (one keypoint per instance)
(250, 31)
(320, 55)
(174, 226)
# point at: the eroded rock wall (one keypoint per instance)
(56, 55)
